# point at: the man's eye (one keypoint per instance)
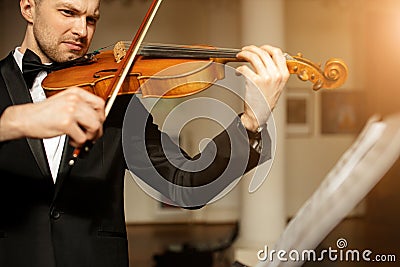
(67, 12)
(91, 21)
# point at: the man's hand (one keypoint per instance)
(74, 112)
(264, 83)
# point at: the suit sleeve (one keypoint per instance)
(188, 182)
(5, 102)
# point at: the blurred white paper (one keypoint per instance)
(355, 174)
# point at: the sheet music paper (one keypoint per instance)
(355, 174)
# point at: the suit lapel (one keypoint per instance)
(19, 94)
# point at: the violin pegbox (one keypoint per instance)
(333, 76)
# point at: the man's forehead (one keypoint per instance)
(87, 6)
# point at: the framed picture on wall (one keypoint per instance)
(342, 112)
(299, 112)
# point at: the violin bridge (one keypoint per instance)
(119, 51)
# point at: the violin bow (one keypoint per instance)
(125, 65)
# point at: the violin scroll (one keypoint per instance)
(333, 76)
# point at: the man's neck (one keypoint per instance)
(29, 42)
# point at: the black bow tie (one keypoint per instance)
(31, 66)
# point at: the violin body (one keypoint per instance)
(96, 75)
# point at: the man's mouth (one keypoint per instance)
(75, 46)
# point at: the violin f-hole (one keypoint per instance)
(98, 73)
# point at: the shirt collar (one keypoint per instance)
(18, 57)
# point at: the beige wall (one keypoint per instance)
(318, 29)
(12, 26)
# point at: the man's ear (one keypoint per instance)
(27, 9)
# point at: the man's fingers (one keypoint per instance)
(260, 59)
(255, 61)
(77, 136)
(279, 59)
(84, 115)
(90, 121)
(247, 72)
(97, 103)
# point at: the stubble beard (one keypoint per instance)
(49, 45)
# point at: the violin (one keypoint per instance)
(196, 63)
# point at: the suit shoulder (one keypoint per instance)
(6, 58)
(6, 62)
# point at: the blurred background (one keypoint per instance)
(314, 128)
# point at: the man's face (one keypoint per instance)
(63, 29)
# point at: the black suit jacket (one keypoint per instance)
(79, 220)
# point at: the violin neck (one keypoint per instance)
(221, 55)
(181, 51)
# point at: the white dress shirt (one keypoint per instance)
(54, 146)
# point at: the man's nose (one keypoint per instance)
(80, 27)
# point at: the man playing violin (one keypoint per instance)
(55, 215)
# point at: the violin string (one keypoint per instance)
(181, 51)
(194, 52)
(193, 48)
(184, 52)
(229, 52)
(172, 50)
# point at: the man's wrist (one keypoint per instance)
(248, 123)
(253, 134)
(11, 124)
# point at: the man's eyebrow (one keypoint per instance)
(67, 5)
(95, 16)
